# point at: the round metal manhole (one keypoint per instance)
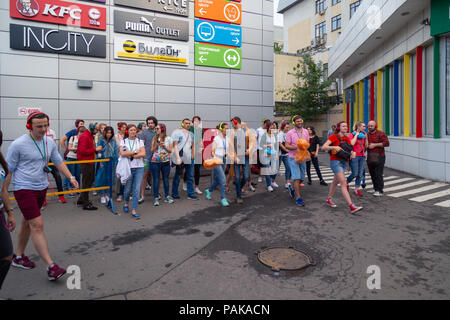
(279, 258)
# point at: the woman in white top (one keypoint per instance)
(219, 150)
(284, 152)
(119, 136)
(268, 156)
(133, 149)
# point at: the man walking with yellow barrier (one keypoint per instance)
(28, 158)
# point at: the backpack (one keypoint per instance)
(346, 152)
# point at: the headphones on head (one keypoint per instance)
(234, 121)
(31, 117)
(92, 127)
(293, 119)
(264, 120)
(120, 124)
(221, 126)
(163, 127)
(182, 123)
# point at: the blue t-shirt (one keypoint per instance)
(70, 134)
(26, 163)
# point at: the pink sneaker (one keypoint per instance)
(358, 193)
(331, 203)
(55, 272)
(23, 262)
(354, 209)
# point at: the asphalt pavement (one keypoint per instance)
(199, 250)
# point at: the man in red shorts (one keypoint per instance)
(28, 157)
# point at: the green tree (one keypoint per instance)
(277, 47)
(309, 96)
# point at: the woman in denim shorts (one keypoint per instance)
(338, 166)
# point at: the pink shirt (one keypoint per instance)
(293, 135)
(359, 147)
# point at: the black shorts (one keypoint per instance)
(6, 247)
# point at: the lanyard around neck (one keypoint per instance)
(134, 142)
(44, 156)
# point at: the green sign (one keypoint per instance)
(217, 56)
(440, 17)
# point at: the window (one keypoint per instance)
(336, 23)
(320, 6)
(334, 2)
(321, 29)
(353, 7)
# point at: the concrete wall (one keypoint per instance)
(131, 91)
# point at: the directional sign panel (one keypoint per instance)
(217, 56)
(219, 33)
(220, 10)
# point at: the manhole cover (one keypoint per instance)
(284, 258)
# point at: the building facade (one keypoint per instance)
(311, 27)
(108, 82)
(394, 60)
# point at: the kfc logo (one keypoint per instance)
(28, 8)
(59, 12)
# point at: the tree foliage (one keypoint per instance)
(309, 95)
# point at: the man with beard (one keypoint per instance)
(376, 156)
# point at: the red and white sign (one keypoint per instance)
(25, 111)
(59, 12)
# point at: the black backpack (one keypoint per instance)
(346, 152)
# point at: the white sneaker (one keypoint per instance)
(103, 200)
(377, 194)
(259, 179)
(197, 191)
(274, 184)
(107, 199)
(287, 185)
(252, 188)
(141, 199)
(269, 188)
(184, 186)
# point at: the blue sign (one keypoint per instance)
(218, 33)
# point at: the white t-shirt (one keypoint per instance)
(259, 133)
(133, 145)
(221, 146)
(74, 141)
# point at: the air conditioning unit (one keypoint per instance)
(322, 12)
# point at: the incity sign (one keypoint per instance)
(59, 12)
(137, 49)
(176, 7)
(38, 39)
(151, 26)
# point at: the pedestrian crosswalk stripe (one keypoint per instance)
(405, 186)
(431, 196)
(419, 190)
(445, 204)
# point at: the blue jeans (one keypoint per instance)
(133, 186)
(158, 168)
(246, 176)
(237, 178)
(189, 178)
(75, 170)
(357, 167)
(219, 180)
(287, 172)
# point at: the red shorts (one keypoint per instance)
(30, 202)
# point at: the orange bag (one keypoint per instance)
(212, 163)
(302, 154)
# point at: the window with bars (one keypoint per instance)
(334, 2)
(321, 29)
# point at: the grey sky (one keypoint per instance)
(277, 18)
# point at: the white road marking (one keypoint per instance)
(431, 196)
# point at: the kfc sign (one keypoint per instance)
(59, 12)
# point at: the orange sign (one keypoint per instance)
(220, 10)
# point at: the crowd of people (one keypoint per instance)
(142, 155)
